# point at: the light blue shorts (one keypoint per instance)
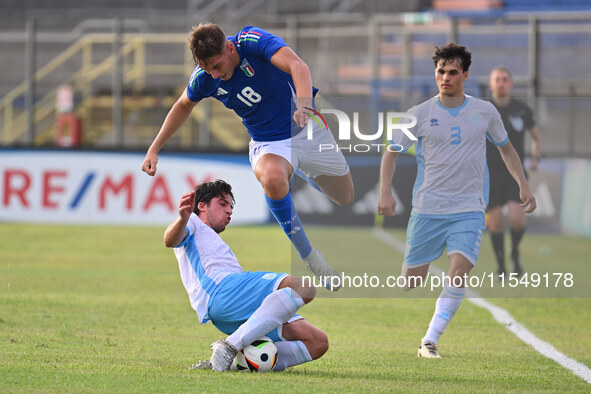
(428, 235)
(239, 295)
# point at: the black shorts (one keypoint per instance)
(503, 188)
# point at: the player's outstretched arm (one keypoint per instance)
(177, 115)
(286, 60)
(177, 230)
(386, 201)
(513, 163)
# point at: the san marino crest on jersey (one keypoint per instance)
(475, 117)
(247, 68)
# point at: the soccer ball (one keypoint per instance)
(259, 356)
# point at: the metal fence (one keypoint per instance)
(128, 75)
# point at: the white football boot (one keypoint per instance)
(428, 350)
(222, 356)
(316, 264)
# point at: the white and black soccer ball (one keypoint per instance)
(259, 356)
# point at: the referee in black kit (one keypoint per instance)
(517, 118)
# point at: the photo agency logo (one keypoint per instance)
(395, 124)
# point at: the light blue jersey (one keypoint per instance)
(204, 261)
(451, 155)
(219, 289)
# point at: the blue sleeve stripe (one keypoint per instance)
(403, 148)
(502, 143)
(186, 240)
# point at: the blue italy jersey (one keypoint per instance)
(260, 93)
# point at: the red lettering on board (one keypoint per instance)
(11, 189)
(126, 185)
(49, 188)
(159, 194)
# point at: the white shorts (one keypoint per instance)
(303, 153)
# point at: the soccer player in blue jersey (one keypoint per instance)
(244, 305)
(259, 77)
(451, 189)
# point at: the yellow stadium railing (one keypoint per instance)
(136, 71)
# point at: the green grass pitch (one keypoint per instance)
(102, 309)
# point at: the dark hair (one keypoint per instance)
(205, 41)
(206, 191)
(450, 53)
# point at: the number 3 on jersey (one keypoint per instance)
(249, 96)
(456, 137)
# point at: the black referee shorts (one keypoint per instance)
(503, 188)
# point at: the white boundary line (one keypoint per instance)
(505, 318)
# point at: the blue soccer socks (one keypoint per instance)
(284, 211)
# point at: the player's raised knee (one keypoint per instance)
(304, 289)
(275, 182)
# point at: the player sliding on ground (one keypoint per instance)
(259, 77)
(243, 305)
(450, 194)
